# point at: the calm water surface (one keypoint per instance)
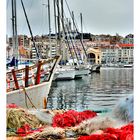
(95, 91)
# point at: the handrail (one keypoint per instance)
(17, 83)
(35, 66)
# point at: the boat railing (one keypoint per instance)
(30, 76)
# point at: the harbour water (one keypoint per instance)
(97, 91)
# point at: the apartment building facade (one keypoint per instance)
(125, 53)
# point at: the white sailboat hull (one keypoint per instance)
(80, 72)
(66, 74)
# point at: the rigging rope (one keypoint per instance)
(71, 38)
(30, 30)
(66, 40)
(72, 43)
(85, 26)
(30, 7)
(76, 28)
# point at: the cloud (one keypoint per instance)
(99, 16)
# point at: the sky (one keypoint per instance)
(99, 16)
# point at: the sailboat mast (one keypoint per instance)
(63, 35)
(58, 23)
(54, 2)
(81, 18)
(62, 12)
(49, 19)
(76, 29)
(13, 18)
(73, 21)
(14, 28)
(64, 32)
(16, 36)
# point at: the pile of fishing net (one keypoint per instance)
(36, 124)
(124, 133)
(17, 117)
(97, 128)
(61, 124)
(22, 122)
(48, 133)
(71, 118)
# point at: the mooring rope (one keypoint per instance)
(26, 96)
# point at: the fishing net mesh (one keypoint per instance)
(17, 117)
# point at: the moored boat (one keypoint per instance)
(95, 68)
(122, 65)
(65, 73)
(128, 65)
(33, 91)
(80, 71)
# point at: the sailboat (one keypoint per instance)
(64, 72)
(81, 68)
(31, 88)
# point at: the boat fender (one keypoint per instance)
(44, 103)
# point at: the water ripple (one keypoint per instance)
(96, 91)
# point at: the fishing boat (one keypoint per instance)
(29, 86)
(31, 91)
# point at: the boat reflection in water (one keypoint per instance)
(97, 91)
